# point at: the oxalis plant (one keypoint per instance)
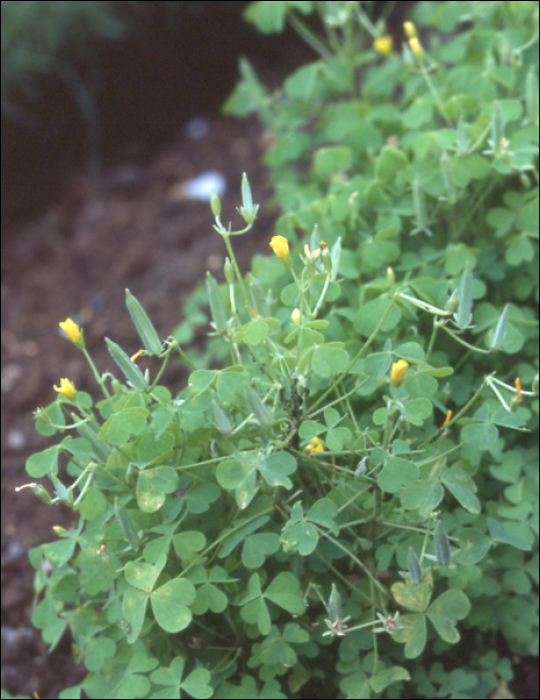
(305, 519)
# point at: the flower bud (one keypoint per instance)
(383, 45)
(280, 246)
(398, 370)
(73, 332)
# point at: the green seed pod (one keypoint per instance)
(41, 492)
(443, 550)
(334, 604)
(130, 370)
(531, 95)
(215, 203)
(415, 570)
(101, 450)
(447, 169)
(228, 271)
(126, 525)
(500, 330)
(463, 315)
(63, 494)
(535, 384)
(143, 324)
(222, 422)
(497, 126)
(256, 406)
(217, 307)
(248, 210)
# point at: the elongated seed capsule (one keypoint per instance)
(443, 551)
(415, 570)
(334, 604)
(217, 307)
(126, 525)
(256, 406)
(222, 422)
(143, 324)
(102, 451)
(500, 330)
(463, 315)
(131, 372)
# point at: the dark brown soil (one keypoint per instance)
(88, 239)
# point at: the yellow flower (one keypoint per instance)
(410, 29)
(518, 389)
(448, 417)
(383, 44)
(296, 316)
(416, 47)
(398, 370)
(314, 445)
(71, 329)
(280, 246)
(66, 387)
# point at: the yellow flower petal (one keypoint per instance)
(383, 45)
(280, 246)
(314, 445)
(71, 329)
(66, 387)
(398, 370)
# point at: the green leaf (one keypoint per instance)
(468, 167)
(331, 159)
(201, 380)
(474, 546)
(417, 410)
(328, 359)
(284, 591)
(169, 603)
(390, 162)
(413, 352)
(258, 547)
(413, 633)
(255, 331)
(393, 674)
(143, 576)
(396, 474)
(152, 487)
(43, 463)
(423, 497)
(188, 542)
(481, 435)
(197, 684)
(460, 484)
(300, 537)
(276, 469)
(368, 317)
(450, 606)
(501, 534)
(414, 597)
(133, 609)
